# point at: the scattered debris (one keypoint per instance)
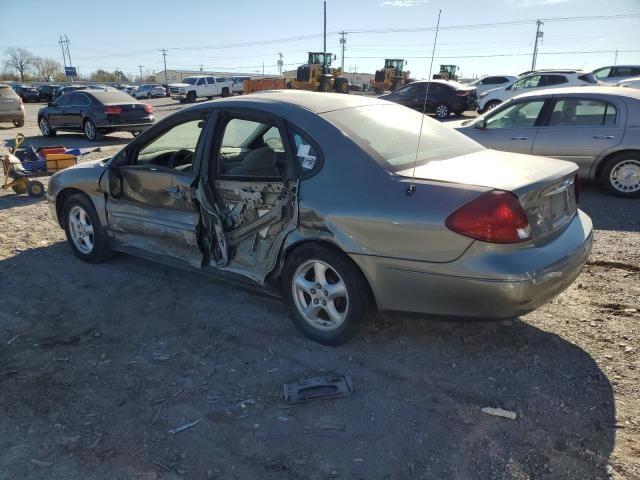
(164, 467)
(333, 426)
(330, 386)
(499, 412)
(40, 463)
(13, 339)
(186, 426)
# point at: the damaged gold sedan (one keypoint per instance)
(343, 205)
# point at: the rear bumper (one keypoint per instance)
(125, 127)
(11, 116)
(485, 282)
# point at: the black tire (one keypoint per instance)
(35, 189)
(629, 161)
(359, 307)
(18, 123)
(90, 130)
(442, 111)
(19, 189)
(491, 105)
(325, 84)
(342, 85)
(45, 127)
(100, 251)
(182, 100)
(225, 92)
(458, 113)
(191, 97)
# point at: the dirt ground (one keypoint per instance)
(99, 362)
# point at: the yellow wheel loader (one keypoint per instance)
(391, 77)
(317, 75)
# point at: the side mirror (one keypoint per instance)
(115, 181)
(481, 125)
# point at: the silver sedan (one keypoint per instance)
(340, 204)
(149, 91)
(596, 127)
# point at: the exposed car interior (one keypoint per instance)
(174, 149)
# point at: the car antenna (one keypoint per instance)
(412, 185)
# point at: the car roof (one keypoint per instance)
(584, 90)
(316, 102)
(616, 66)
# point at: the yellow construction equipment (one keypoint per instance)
(391, 77)
(447, 72)
(318, 75)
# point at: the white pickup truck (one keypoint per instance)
(198, 86)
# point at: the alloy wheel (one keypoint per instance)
(625, 176)
(44, 126)
(442, 111)
(81, 229)
(320, 295)
(90, 130)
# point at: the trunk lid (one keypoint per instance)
(544, 186)
(131, 112)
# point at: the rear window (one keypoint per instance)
(7, 92)
(111, 96)
(389, 133)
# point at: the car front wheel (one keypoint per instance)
(84, 231)
(326, 294)
(90, 130)
(442, 111)
(621, 175)
(45, 128)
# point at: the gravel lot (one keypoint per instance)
(99, 362)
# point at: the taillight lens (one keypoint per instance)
(113, 110)
(462, 93)
(148, 108)
(495, 217)
(576, 188)
(21, 103)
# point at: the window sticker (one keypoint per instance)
(309, 162)
(303, 150)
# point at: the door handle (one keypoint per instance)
(604, 137)
(519, 138)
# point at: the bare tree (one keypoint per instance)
(52, 69)
(20, 59)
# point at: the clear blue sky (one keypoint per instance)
(125, 34)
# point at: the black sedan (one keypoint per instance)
(95, 112)
(26, 93)
(444, 97)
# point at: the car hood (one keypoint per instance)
(515, 172)
(180, 85)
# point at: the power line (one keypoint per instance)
(516, 54)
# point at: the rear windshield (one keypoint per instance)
(112, 96)
(6, 91)
(389, 133)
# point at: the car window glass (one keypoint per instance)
(602, 73)
(635, 71)
(621, 72)
(518, 115)
(548, 80)
(172, 149)
(436, 88)
(200, 81)
(82, 100)
(306, 154)
(573, 112)
(410, 90)
(210, 80)
(63, 101)
(251, 149)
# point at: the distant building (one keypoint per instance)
(176, 76)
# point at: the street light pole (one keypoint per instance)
(539, 35)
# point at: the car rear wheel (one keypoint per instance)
(84, 230)
(90, 130)
(491, 105)
(18, 123)
(45, 128)
(148, 96)
(191, 97)
(621, 175)
(328, 298)
(442, 111)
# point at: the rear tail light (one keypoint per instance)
(113, 110)
(148, 108)
(462, 93)
(576, 188)
(21, 102)
(495, 217)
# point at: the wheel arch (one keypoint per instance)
(599, 165)
(63, 195)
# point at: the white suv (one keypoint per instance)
(535, 80)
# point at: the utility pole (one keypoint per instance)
(539, 35)
(615, 59)
(324, 48)
(140, 67)
(201, 67)
(280, 64)
(343, 40)
(263, 68)
(166, 80)
(66, 54)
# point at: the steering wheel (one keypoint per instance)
(179, 156)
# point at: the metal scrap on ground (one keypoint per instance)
(499, 412)
(330, 386)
